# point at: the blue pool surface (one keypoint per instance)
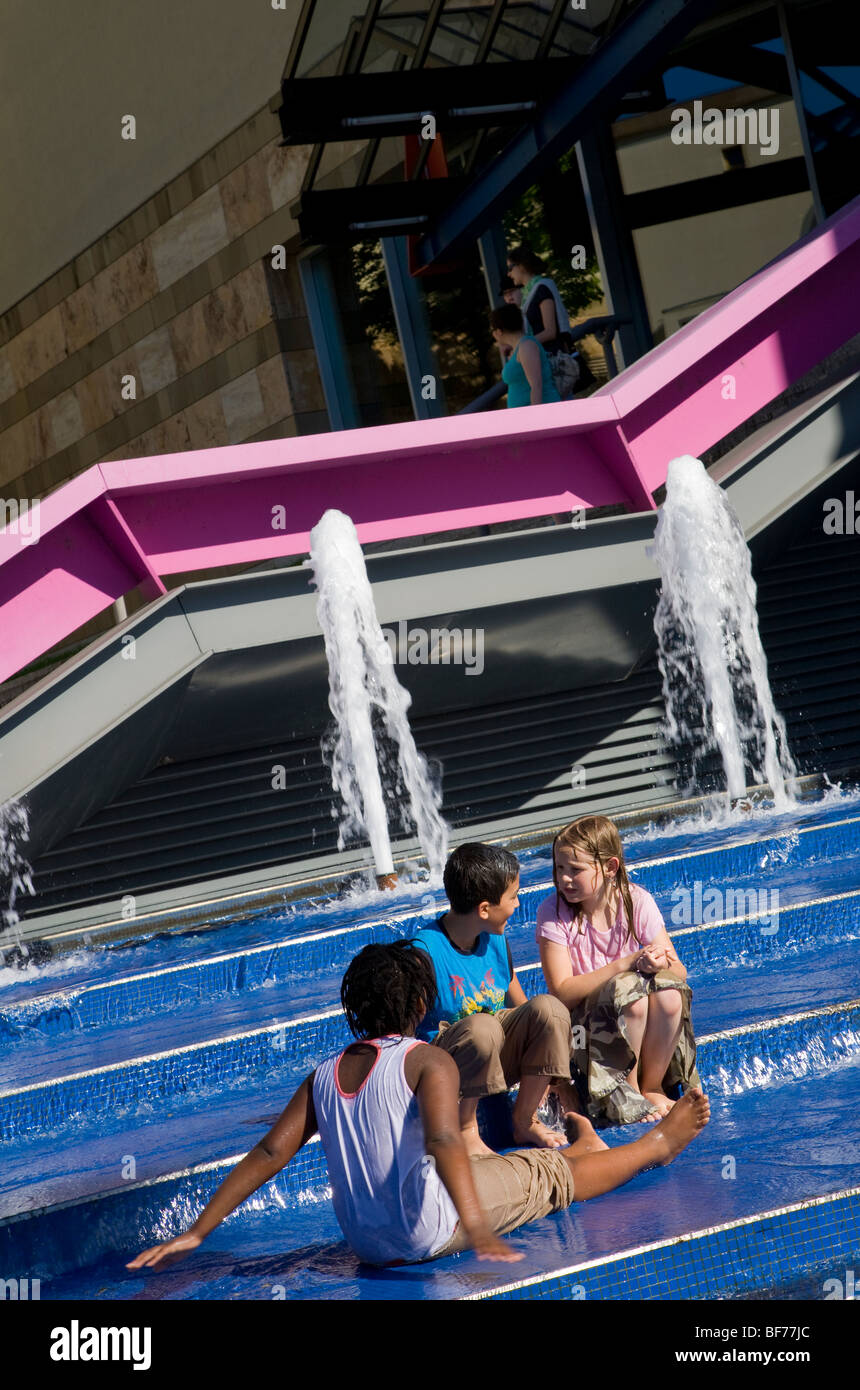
(132, 1077)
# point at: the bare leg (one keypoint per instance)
(662, 1031)
(527, 1127)
(596, 1173)
(475, 1146)
(475, 1044)
(636, 1018)
(582, 1136)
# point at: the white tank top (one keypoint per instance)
(388, 1198)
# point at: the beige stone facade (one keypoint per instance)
(168, 333)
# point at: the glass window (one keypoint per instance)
(333, 23)
(382, 388)
(458, 311)
(716, 182)
(829, 91)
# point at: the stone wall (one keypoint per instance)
(177, 296)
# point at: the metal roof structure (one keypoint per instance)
(511, 85)
(540, 67)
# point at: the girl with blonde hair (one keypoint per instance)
(607, 956)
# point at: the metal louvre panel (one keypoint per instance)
(180, 824)
(506, 765)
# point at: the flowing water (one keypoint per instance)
(715, 681)
(375, 766)
(15, 873)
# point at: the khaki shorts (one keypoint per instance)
(515, 1188)
(495, 1051)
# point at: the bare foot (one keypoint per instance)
(475, 1146)
(660, 1101)
(581, 1135)
(651, 1116)
(538, 1136)
(679, 1128)
(568, 1096)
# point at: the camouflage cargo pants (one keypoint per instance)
(602, 1054)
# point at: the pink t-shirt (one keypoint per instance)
(591, 949)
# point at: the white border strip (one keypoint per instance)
(75, 992)
(336, 1012)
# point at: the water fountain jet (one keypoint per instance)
(15, 877)
(369, 706)
(710, 653)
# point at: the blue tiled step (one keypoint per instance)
(719, 1262)
(312, 965)
(757, 858)
(63, 1083)
(746, 865)
(699, 834)
(229, 986)
(734, 993)
(790, 1144)
(41, 1165)
(762, 987)
(57, 1078)
(741, 865)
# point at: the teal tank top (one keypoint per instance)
(467, 982)
(519, 391)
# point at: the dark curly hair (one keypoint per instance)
(386, 989)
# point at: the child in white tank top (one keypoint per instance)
(389, 1200)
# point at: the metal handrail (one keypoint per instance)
(484, 401)
(604, 328)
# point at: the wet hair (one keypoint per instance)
(596, 838)
(508, 318)
(386, 989)
(524, 255)
(478, 874)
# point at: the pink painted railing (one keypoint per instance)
(129, 523)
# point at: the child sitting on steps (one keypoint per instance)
(403, 1187)
(480, 1014)
(607, 956)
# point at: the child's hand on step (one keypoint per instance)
(167, 1253)
(490, 1247)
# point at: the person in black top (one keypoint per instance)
(544, 314)
(545, 317)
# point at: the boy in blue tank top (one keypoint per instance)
(480, 1014)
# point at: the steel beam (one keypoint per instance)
(413, 329)
(753, 184)
(797, 94)
(330, 215)
(628, 54)
(616, 254)
(329, 343)
(389, 103)
(299, 38)
(492, 250)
